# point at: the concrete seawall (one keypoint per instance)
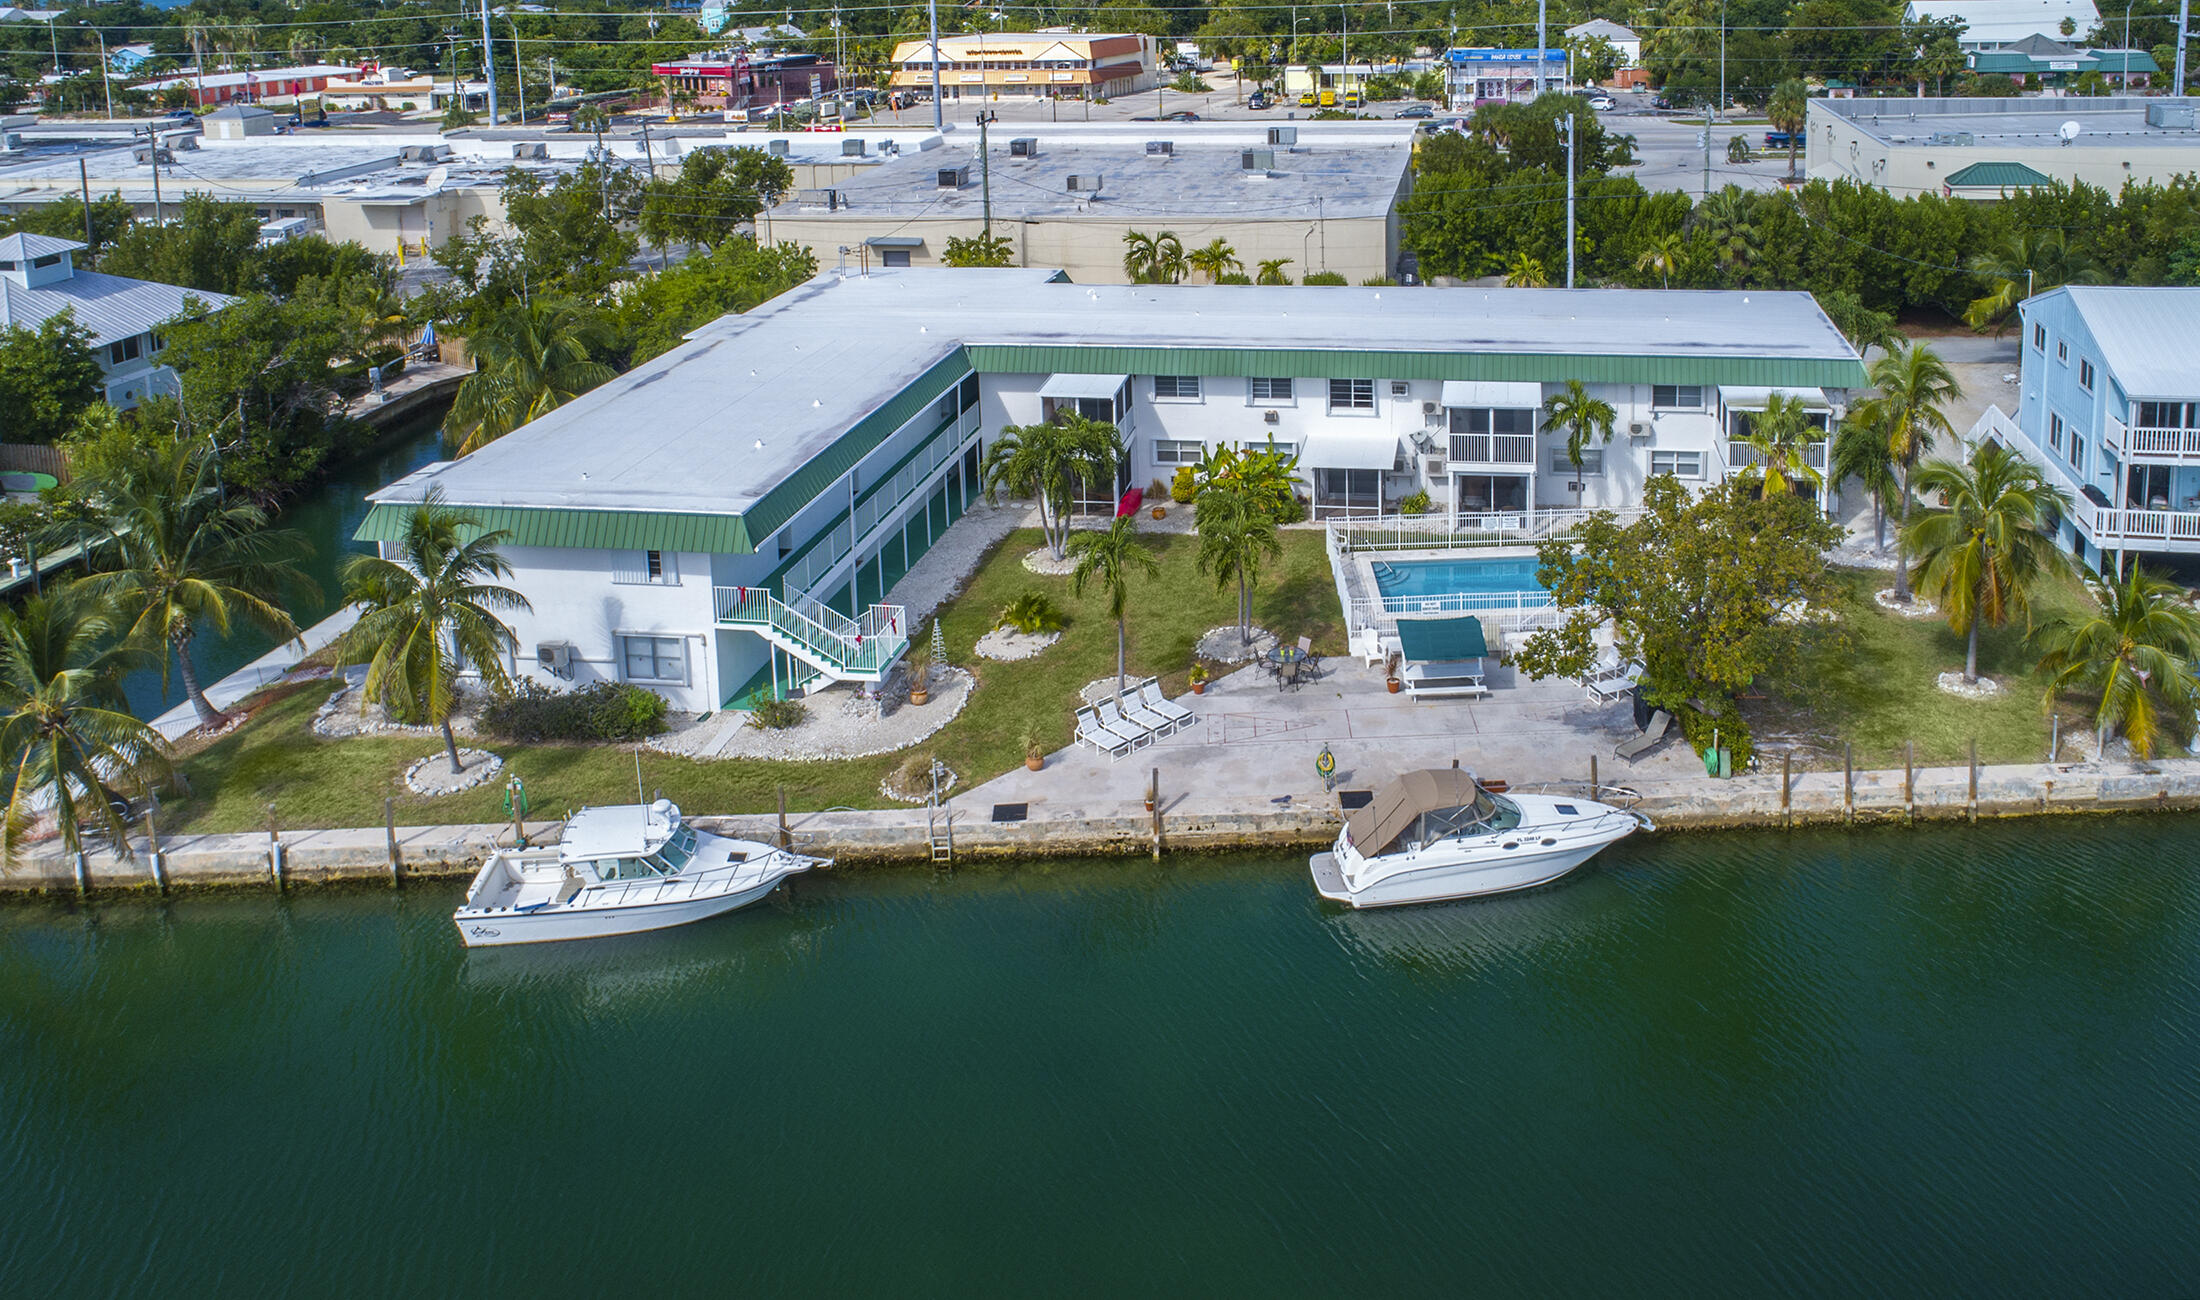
(1187, 824)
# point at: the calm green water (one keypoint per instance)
(1945, 1062)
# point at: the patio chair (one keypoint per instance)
(1105, 739)
(1112, 718)
(1310, 664)
(1136, 711)
(1648, 740)
(1611, 679)
(1287, 674)
(1151, 694)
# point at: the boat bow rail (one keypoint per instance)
(861, 649)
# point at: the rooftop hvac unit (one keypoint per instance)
(954, 178)
(148, 155)
(1950, 138)
(532, 150)
(1160, 148)
(2172, 115)
(1283, 135)
(555, 658)
(852, 148)
(826, 199)
(776, 148)
(1024, 146)
(1084, 184)
(10, 142)
(1258, 160)
(1641, 430)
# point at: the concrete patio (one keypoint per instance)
(1253, 743)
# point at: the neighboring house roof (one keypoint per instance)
(1603, 28)
(110, 306)
(1996, 175)
(24, 248)
(1993, 22)
(253, 76)
(238, 113)
(2147, 336)
(2122, 62)
(2041, 47)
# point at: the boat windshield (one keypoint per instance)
(674, 853)
(1487, 815)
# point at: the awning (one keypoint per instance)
(1089, 386)
(1479, 392)
(894, 241)
(1394, 807)
(1350, 449)
(1755, 399)
(1441, 640)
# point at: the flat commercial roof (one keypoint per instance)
(1200, 181)
(722, 431)
(1999, 125)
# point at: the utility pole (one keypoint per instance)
(1722, 56)
(84, 187)
(519, 69)
(489, 61)
(1568, 122)
(152, 155)
(1707, 151)
(2184, 12)
(932, 11)
(1542, 15)
(1344, 40)
(986, 118)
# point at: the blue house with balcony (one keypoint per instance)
(2109, 406)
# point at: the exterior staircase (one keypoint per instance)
(837, 647)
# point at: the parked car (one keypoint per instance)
(1601, 103)
(1416, 110)
(179, 115)
(1259, 99)
(1181, 115)
(1781, 140)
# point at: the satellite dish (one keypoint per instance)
(2068, 131)
(437, 175)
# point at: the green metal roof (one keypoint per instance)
(2007, 62)
(1996, 175)
(801, 487)
(615, 530)
(1345, 363)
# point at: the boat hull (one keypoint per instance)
(1551, 841)
(1440, 884)
(552, 924)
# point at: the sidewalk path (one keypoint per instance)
(261, 673)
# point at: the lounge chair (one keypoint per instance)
(1151, 694)
(1091, 731)
(1633, 749)
(1611, 679)
(1111, 717)
(1135, 710)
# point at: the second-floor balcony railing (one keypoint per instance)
(2141, 441)
(1492, 449)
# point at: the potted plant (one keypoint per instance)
(920, 680)
(1034, 757)
(1160, 513)
(1391, 664)
(1199, 678)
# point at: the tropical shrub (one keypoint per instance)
(600, 711)
(777, 715)
(1184, 488)
(1031, 613)
(1325, 277)
(1417, 504)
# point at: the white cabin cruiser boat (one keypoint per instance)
(618, 870)
(1436, 834)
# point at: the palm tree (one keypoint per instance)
(178, 556)
(1153, 259)
(429, 615)
(534, 357)
(2022, 265)
(1525, 272)
(1980, 555)
(1581, 417)
(1914, 386)
(1788, 109)
(1237, 537)
(2138, 650)
(1860, 452)
(1663, 255)
(1045, 460)
(1215, 260)
(1271, 271)
(1726, 221)
(68, 737)
(1781, 435)
(1111, 557)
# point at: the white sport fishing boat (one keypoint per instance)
(1436, 834)
(618, 870)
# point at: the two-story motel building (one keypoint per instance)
(736, 513)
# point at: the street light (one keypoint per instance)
(106, 82)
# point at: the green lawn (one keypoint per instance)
(316, 782)
(1876, 687)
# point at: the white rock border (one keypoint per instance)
(1006, 645)
(1985, 688)
(1043, 563)
(479, 766)
(948, 780)
(1221, 644)
(1919, 607)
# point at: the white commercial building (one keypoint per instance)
(1991, 24)
(734, 515)
(1927, 146)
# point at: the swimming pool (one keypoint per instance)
(1406, 581)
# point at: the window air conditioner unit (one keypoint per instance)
(1283, 135)
(1160, 148)
(1398, 388)
(1641, 430)
(851, 148)
(1435, 469)
(954, 178)
(1023, 146)
(555, 658)
(1271, 417)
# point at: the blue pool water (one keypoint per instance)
(1485, 575)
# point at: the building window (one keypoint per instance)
(2039, 337)
(894, 257)
(650, 568)
(1676, 397)
(655, 659)
(1592, 461)
(1177, 452)
(51, 259)
(2077, 452)
(2085, 374)
(2062, 352)
(1351, 394)
(2169, 415)
(1271, 390)
(1176, 388)
(2054, 431)
(1680, 464)
(123, 350)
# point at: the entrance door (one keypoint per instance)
(2147, 487)
(1482, 494)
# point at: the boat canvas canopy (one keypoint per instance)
(1350, 449)
(1100, 387)
(1504, 394)
(1435, 640)
(1395, 807)
(1745, 398)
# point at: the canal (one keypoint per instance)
(326, 515)
(1948, 1062)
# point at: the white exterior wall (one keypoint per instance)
(577, 600)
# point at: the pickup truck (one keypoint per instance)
(1781, 140)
